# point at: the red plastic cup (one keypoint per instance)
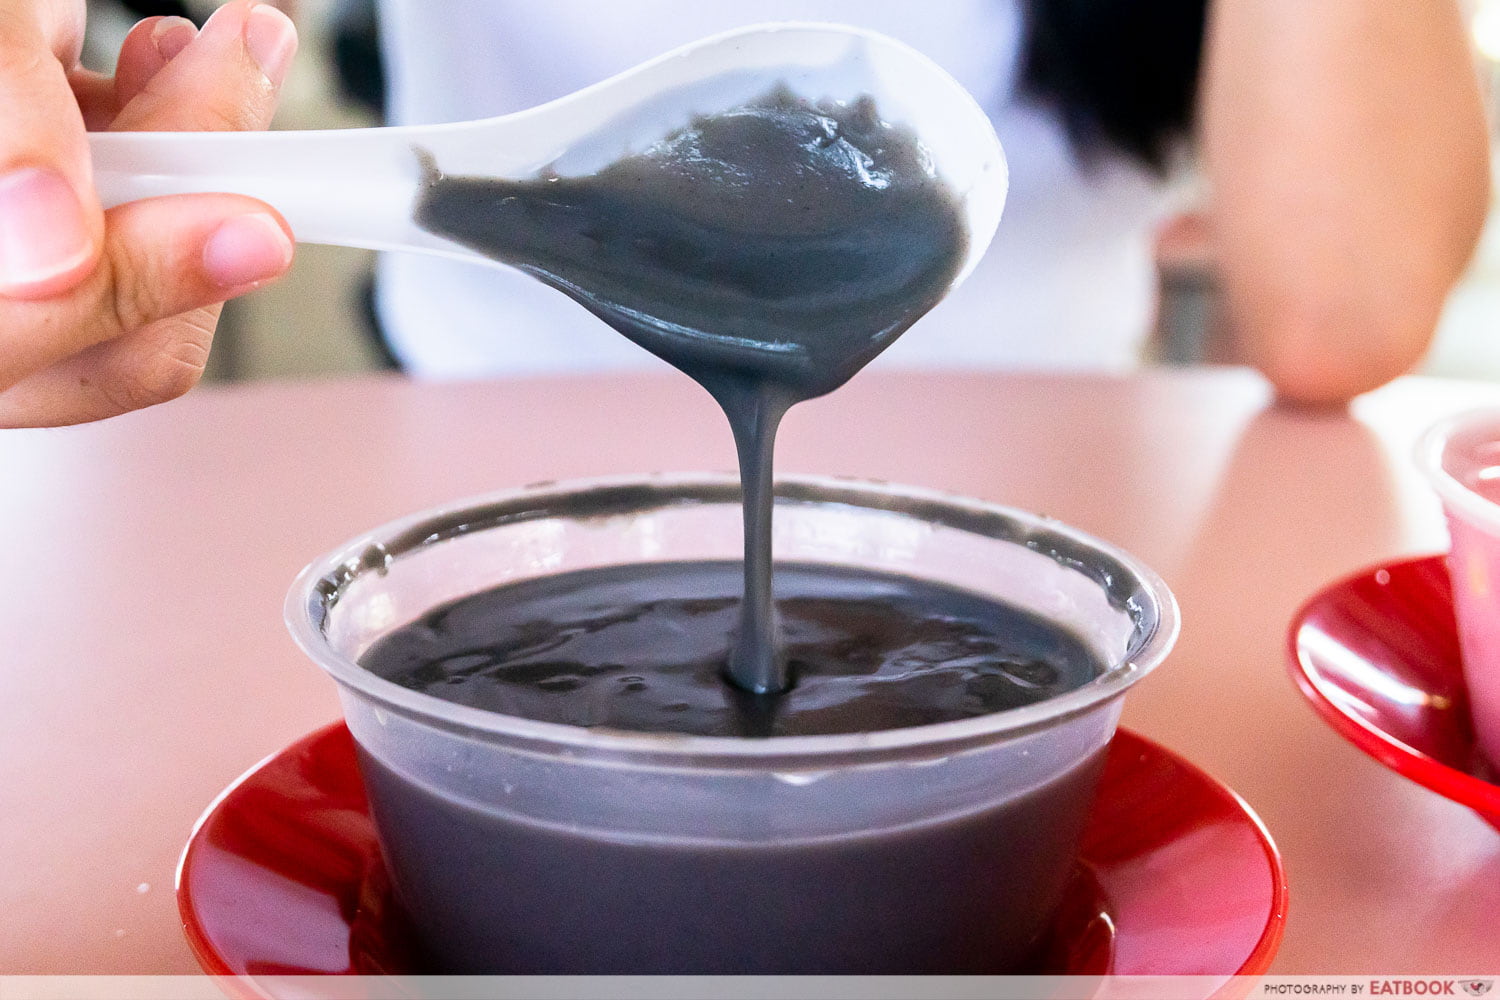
(1461, 457)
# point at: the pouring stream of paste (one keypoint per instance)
(769, 252)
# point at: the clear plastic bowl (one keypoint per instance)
(521, 846)
(1461, 459)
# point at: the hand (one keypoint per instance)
(104, 312)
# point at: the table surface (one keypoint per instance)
(145, 665)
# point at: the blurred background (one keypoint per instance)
(316, 322)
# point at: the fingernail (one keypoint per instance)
(271, 40)
(171, 35)
(43, 233)
(245, 250)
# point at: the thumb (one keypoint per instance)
(51, 226)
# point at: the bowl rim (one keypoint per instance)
(1130, 584)
(1457, 497)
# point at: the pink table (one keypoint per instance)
(145, 666)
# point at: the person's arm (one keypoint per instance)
(103, 312)
(1348, 158)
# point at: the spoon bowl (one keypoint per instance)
(359, 187)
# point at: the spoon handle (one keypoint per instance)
(351, 187)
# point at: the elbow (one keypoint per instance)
(1341, 323)
(1325, 356)
(1315, 378)
(1334, 296)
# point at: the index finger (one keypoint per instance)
(51, 225)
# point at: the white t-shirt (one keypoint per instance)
(1068, 281)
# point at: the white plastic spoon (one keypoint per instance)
(357, 187)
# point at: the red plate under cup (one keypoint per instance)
(283, 875)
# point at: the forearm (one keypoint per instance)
(1347, 152)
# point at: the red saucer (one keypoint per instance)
(283, 875)
(1377, 655)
